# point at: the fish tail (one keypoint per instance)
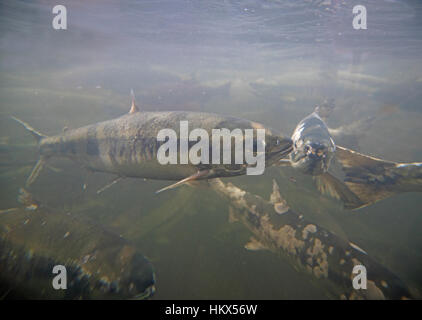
(41, 161)
(35, 133)
(373, 179)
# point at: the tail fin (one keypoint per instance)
(373, 179)
(36, 134)
(41, 162)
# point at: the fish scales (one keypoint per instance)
(128, 146)
(310, 247)
(99, 264)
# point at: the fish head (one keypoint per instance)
(311, 157)
(313, 146)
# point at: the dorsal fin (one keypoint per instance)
(133, 108)
(275, 195)
(280, 205)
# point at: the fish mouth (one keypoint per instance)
(312, 158)
(309, 164)
(283, 148)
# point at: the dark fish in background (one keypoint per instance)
(307, 246)
(99, 263)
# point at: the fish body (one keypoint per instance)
(99, 263)
(128, 146)
(307, 246)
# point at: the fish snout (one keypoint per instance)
(316, 151)
(316, 158)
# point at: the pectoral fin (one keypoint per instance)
(330, 185)
(196, 176)
(255, 245)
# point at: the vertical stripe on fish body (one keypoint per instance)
(128, 145)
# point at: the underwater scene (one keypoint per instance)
(330, 90)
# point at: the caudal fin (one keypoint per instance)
(373, 179)
(36, 134)
(41, 162)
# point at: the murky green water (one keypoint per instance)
(266, 61)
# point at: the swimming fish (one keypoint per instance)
(307, 246)
(313, 152)
(99, 263)
(366, 179)
(127, 146)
